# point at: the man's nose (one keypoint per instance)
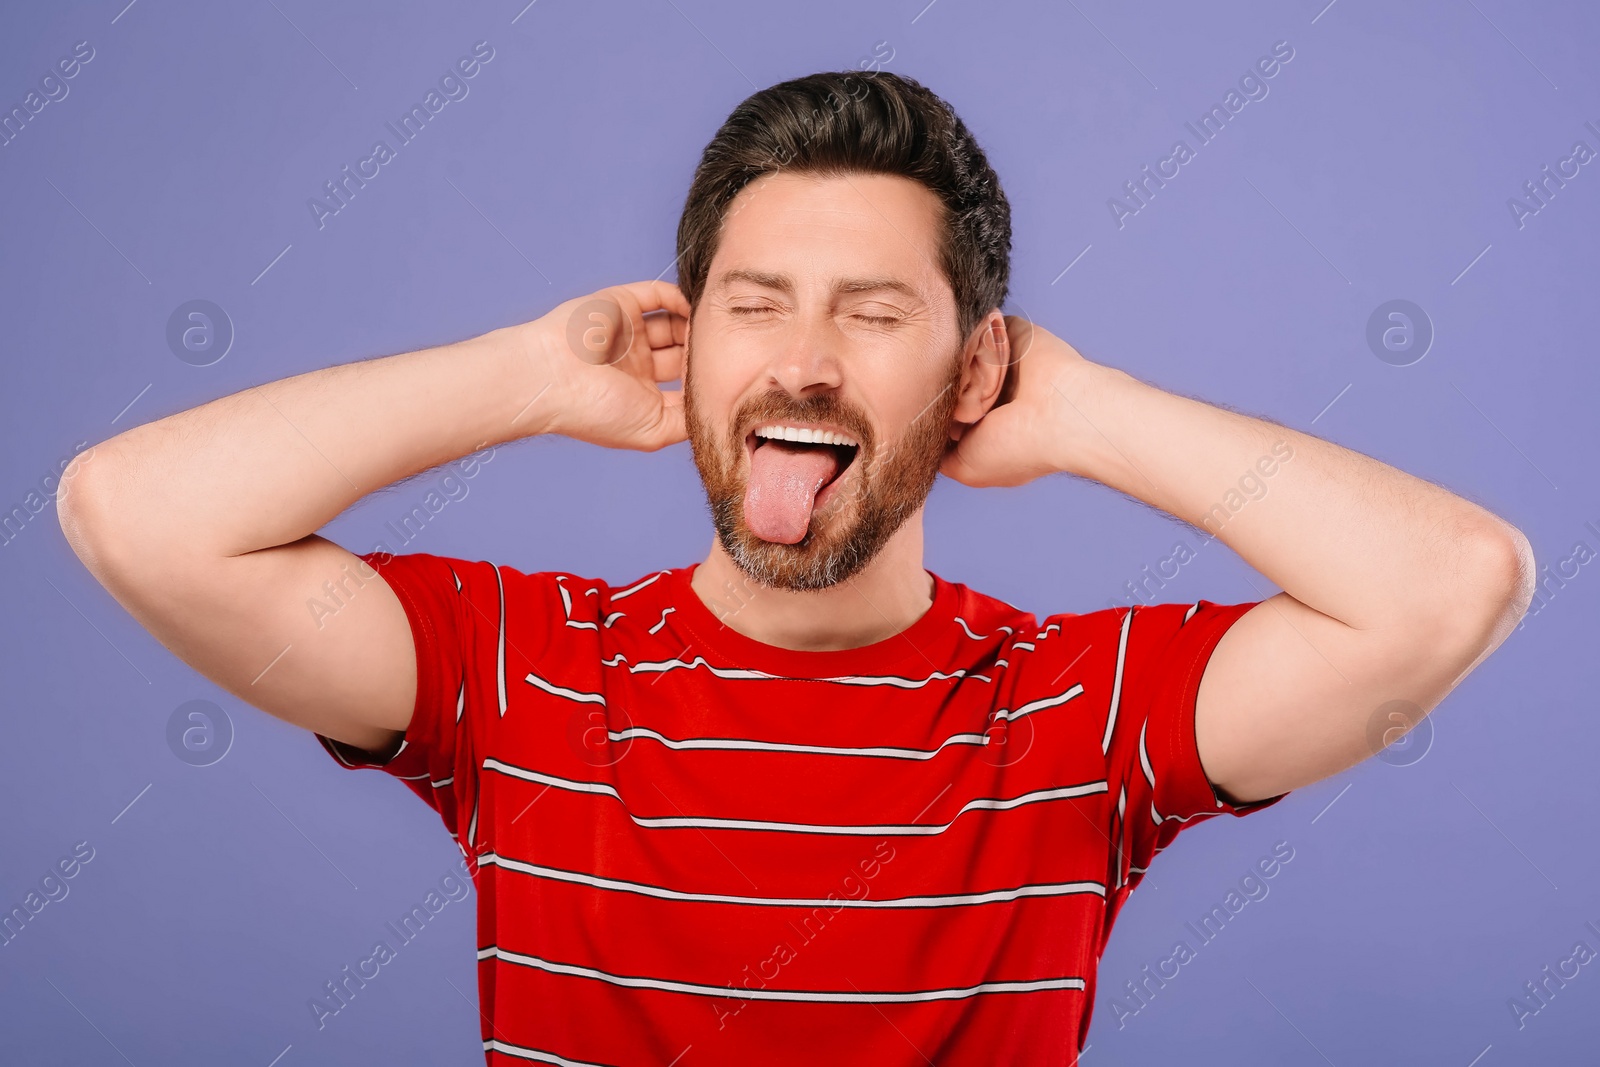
(809, 358)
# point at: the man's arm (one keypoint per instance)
(1393, 588)
(203, 524)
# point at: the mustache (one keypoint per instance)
(779, 406)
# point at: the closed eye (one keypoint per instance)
(876, 320)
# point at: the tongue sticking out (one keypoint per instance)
(784, 480)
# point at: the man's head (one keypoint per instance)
(845, 247)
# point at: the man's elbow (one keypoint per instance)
(1498, 580)
(85, 510)
(75, 503)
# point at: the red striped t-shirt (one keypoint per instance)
(693, 848)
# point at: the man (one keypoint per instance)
(802, 802)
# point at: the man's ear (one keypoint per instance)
(985, 359)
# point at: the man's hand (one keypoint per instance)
(606, 356)
(1019, 439)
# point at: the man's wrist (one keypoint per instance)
(525, 361)
(1082, 438)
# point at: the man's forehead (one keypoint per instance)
(856, 231)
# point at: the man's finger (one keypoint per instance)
(658, 295)
(661, 331)
(668, 363)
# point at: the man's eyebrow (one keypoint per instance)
(783, 284)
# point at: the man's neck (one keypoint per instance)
(882, 599)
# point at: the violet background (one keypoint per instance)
(1378, 167)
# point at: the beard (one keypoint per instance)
(883, 486)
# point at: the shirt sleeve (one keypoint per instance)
(453, 607)
(1155, 777)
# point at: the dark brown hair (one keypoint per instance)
(843, 122)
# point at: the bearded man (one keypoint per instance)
(860, 814)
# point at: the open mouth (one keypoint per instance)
(800, 442)
(792, 472)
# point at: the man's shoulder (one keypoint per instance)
(974, 605)
(984, 613)
(462, 567)
(486, 578)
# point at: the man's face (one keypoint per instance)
(824, 310)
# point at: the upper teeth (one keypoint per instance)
(805, 436)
